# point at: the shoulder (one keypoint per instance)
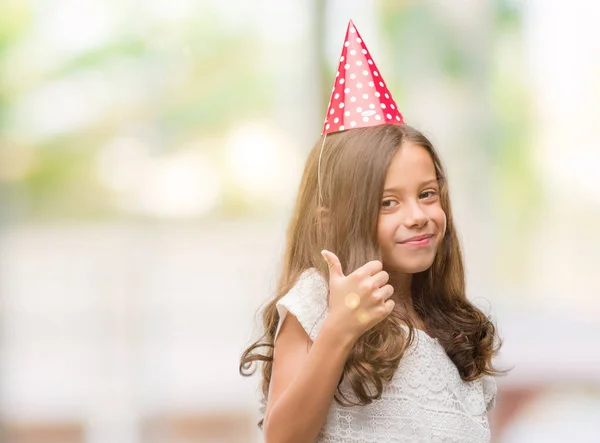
(490, 390)
(307, 301)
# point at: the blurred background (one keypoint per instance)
(150, 152)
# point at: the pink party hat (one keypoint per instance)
(360, 97)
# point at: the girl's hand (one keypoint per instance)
(359, 301)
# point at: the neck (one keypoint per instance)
(402, 287)
(402, 284)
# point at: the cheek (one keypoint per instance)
(385, 232)
(442, 220)
(436, 214)
(439, 217)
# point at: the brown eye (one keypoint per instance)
(388, 203)
(428, 194)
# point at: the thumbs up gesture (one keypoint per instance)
(358, 301)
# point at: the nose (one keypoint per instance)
(414, 216)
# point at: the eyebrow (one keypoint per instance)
(428, 182)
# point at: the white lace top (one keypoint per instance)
(426, 400)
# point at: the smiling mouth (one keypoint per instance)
(420, 240)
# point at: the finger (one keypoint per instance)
(335, 267)
(380, 279)
(370, 268)
(389, 305)
(384, 293)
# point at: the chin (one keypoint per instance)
(411, 266)
(415, 269)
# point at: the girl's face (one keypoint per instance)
(411, 221)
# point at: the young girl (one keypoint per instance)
(370, 337)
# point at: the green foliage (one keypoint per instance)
(197, 81)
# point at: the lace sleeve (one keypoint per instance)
(307, 301)
(489, 392)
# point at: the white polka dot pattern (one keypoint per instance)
(359, 97)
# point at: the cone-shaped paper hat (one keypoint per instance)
(360, 97)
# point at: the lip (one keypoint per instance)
(418, 240)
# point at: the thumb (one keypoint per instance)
(335, 267)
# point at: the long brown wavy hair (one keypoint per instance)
(354, 164)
